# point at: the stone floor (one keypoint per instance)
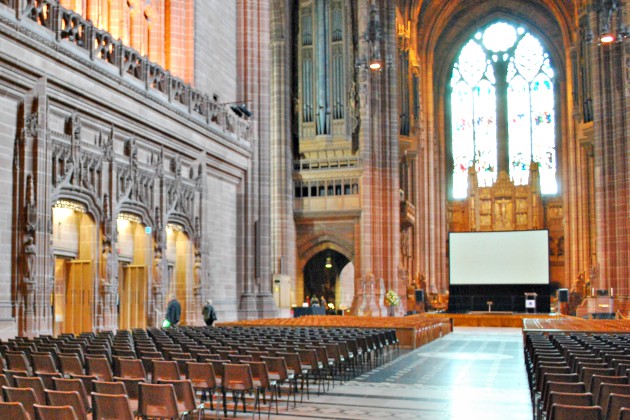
(473, 373)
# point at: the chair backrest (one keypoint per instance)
(184, 392)
(624, 414)
(277, 366)
(111, 407)
(597, 380)
(71, 363)
(71, 398)
(293, 362)
(157, 400)
(62, 384)
(35, 383)
(165, 370)
(237, 377)
(16, 360)
(572, 412)
(257, 354)
(308, 357)
(584, 399)
(545, 370)
(132, 368)
(54, 412)
(43, 362)
(48, 377)
(201, 375)
(218, 365)
(606, 389)
(588, 372)
(14, 411)
(615, 403)
(112, 388)
(99, 367)
(4, 381)
(260, 373)
(24, 395)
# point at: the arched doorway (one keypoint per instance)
(134, 248)
(74, 235)
(179, 256)
(323, 277)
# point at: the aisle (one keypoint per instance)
(473, 373)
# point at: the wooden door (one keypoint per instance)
(79, 290)
(133, 293)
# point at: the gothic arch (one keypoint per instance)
(321, 243)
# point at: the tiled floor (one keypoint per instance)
(474, 373)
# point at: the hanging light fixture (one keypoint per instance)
(611, 23)
(328, 263)
(373, 38)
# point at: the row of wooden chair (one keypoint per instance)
(578, 370)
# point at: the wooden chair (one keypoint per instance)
(99, 367)
(185, 395)
(237, 378)
(615, 403)
(157, 401)
(35, 383)
(26, 396)
(262, 383)
(571, 412)
(203, 379)
(277, 368)
(44, 362)
(71, 364)
(17, 360)
(295, 369)
(565, 387)
(111, 407)
(13, 411)
(597, 380)
(54, 412)
(63, 384)
(308, 358)
(624, 414)
(132, 373)
(115, 388)
(71, 398)
(165, 370)
(606, 389)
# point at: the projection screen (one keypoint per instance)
(515, 257)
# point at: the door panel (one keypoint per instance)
(133, 297)
(79, 289)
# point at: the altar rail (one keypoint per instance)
(412, 331)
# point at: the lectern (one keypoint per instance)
(530, 302)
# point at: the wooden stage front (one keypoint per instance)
(412, 331)
(491, 319)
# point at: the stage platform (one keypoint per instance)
(492, 319)
(412, 331)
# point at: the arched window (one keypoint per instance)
(503, 109)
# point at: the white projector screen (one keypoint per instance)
(515, 257)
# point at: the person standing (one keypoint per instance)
(209, 315)
(173, 311)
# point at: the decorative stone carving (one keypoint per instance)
(197, 275)
(157, 272)
(106, 269)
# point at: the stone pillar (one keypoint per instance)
(253, 58)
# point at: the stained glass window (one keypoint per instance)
(500, 55)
